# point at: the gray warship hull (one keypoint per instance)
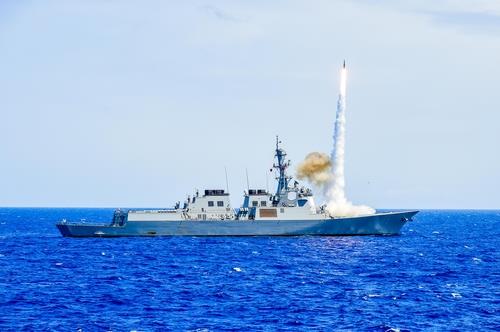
(377, 224)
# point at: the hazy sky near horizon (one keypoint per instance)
(137, 103)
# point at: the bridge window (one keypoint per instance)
(263, 203)
(220, 203)
(302, 202)
(255, 203)
(210, 203)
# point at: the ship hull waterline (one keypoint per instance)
(377, 224)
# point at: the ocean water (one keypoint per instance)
(442, 273)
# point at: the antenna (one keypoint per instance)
(227, 182)
(248, 182)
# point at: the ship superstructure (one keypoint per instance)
(287, 203)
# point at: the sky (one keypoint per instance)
(138, 103)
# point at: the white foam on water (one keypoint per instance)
(456, 295)
(237, 269)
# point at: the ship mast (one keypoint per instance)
(282, 165)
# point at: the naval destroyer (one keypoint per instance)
(289, 211)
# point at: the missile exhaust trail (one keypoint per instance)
(337, 204)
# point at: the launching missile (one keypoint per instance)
(344, 63)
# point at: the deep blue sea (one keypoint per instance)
(441, 274)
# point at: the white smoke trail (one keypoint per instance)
(336, 192)
(337, 204)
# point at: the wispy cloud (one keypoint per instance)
(469, 16)
(220, 13)
(483, 21)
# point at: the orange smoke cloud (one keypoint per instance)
(315, 168)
